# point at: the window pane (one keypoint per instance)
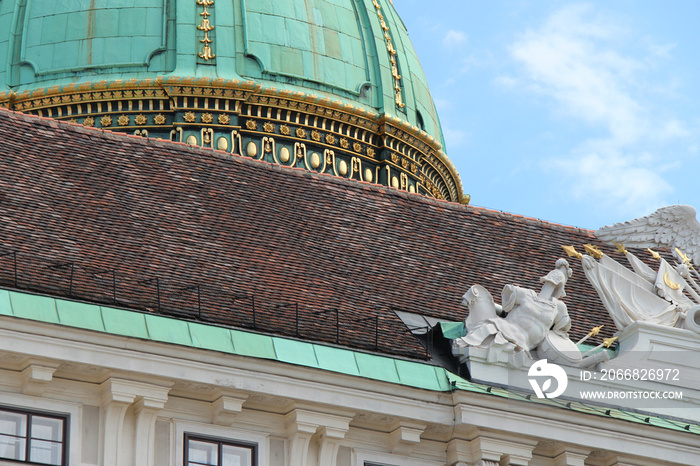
(47, 428)
(12, 448)
(203, 452)
(45, 452)
(13, 424)
(236, 456)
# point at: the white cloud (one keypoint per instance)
(454, 137)
(570, 59)
(630, 185)
(506, 82)
(454, 39)
(592, 68)
(673, 129)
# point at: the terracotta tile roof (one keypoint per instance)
(83, 202)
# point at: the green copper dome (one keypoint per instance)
(275, 72)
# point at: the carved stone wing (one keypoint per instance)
(671, 227)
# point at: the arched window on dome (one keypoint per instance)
(419, 121)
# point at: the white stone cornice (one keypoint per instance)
(36, 378)
(404, 436)
(146, 411)
(460, 452)
(310, 421)
(303, 424)
(230, 371)
(571, 456)
(124, 390)
(589, 431)
(486, 450)
(225, 409)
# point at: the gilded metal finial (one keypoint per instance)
(607, 342)
(594, 331)
(620, 247)
(592, 250)
(654, 254)
(572, 252)
(684, 257)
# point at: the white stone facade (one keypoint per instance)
(131, 401)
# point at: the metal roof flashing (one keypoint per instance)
(163, 329)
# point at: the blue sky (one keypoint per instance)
(584, 114)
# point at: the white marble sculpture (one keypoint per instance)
(670, 227)
(629, 297)
(525, 319)
(669, 296)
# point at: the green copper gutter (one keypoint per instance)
(238, 342)
(169, 330)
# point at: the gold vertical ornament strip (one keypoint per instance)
(392, 56)
(206, 27)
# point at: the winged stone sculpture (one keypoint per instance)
(671, 227)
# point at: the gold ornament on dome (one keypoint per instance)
(190, 117)
(224, 119)
(344, 143)
(89, 121)
(106, 120)
(330, 139)
(123, 120)
(315, 135)
(414, 168)
(72, 120)
(357, 147)
(251, 149)
(140, 119)
(284, 129)
(251, 125)
(159, 119)
(395, 157)
(268, 127)
(343, 168)
(284, 155)
(404, 163)
(207, 118)
(315, 160)
(301, 133)
(205, 25)
(370, 152)
(392, 55)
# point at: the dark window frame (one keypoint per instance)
(28, 433)
(220, 442)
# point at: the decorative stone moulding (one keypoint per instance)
(242, 116)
